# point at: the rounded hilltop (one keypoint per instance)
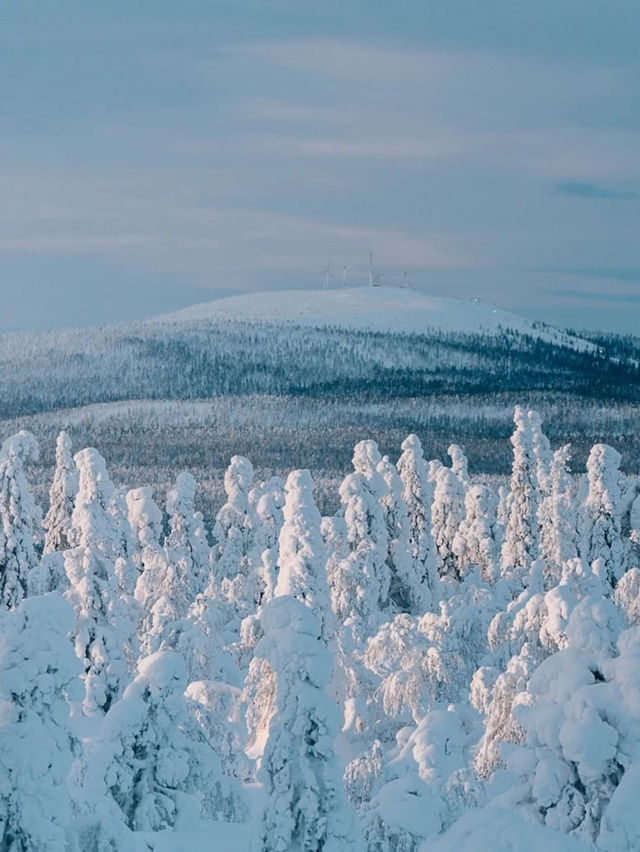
(393, 309)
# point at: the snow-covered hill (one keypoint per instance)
(387, 309)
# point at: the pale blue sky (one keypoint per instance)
(154, 154)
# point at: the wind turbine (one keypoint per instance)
(374, 277)
(345, 268)
(405, 281)
(327, 274)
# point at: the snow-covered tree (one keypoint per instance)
(234, 522)
(237, 550)
(407, 589)
(361, 580)
(362, 774)
(186, 544)
(62, 495)
(421, 662)
(218, 711)
(160, 591)
(572, 614)
(19, 519)
(199, 638)
(39, 675)
(577, 760)
(600, 515)
(627, 596)
(302, 573)
(478, 539)
(417, 493)
(542, 453)
(334, 535)
(521, 543)
(302, 556)
(145, 520)
(259, 697)
(268, 500)
(105, 632)
(154, 761)
(558, 516)
(500, 725)
(360, 585)
(426, 783)
(447, 514)
(306, 809)
(459, 464)
(48, 574)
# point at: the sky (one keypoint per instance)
(155, 154)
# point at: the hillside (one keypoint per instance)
(296, 378)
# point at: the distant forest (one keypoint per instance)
(153, 396)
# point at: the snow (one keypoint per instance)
(501, 831)
(215, 836)
(499, 712)
(391, 309)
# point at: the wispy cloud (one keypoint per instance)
(592, 191)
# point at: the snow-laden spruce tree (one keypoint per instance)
(426, 782)
(161, 594)
(360, 585)
(302, 556)
(361, 579)
(235, 521)
(199, 638)
(558, 517)
(417, 493)
(334, 535)
(237, 550)
(268, 500)
(302, 574)
(20, 519)
(62, 495)
(145, 520)
(105, 631)
(537, 625)
(521, 544)
(259, 697)
(217, 710)
(306, 809)
(154, 761)
(39, 675)
(542, 452)
(459, 465)
(478, 539)
(601, 542)
(410, 673)
(447, 514)
(49, 574)
(576, 768)
(423, 661)
(406, 592)
(627, 597)
(186, 545)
